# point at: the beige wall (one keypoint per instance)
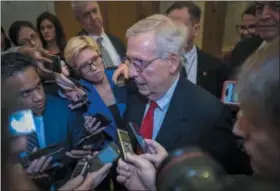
(23, 10)
(233, 17)
(165, 4)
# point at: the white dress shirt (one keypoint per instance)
(191, 66)
(106, 43)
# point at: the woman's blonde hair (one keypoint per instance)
(75, 45)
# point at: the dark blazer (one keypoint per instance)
(61, 124)
(211, 73)
(242, 50)
(195, 117)
(97, 104)
(117, 43)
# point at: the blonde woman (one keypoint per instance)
(83, 55)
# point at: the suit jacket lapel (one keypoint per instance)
(171, 129)
(201, 69)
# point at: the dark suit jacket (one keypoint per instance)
(117, 43)
(211, 73)
(242, 50)
(61, 124)
(195, 117)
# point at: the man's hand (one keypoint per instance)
(79, 154)
(92, 125)
(123, 69)
(157, 153)
(39, 54)
(38, 166)
(136, 173)
(91, 181)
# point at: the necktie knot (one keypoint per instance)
(153, 105)
(99, 40)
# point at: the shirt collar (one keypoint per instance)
(191, 51)
(103, 35)
(164, 101)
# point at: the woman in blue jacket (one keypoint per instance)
(83, 55)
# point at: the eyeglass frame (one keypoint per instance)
(33, 37)
(248, 28)
(90, 63)
(144, 64)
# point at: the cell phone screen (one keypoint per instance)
(229, 93)
(108, 155)
(22, 123)
(135, 130)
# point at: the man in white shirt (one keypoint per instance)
(88, 15)
(200, 68)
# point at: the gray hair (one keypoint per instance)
(258, 85)
(78, 6)
(170, 37)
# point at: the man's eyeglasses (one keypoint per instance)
(87, 66)
(140, 65)
(27, 41)
(249, 28)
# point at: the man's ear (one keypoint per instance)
(196, 29)
(174, 62)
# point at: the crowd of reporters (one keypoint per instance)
(192, 141)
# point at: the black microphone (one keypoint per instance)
(193, 170)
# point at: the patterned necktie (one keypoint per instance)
(32, 142)
(146, 129)
(107, 60)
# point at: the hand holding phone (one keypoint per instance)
(140, 140)
(124, 143)
(106, 156)
(38, 166)
(229, 94)
(97, 123)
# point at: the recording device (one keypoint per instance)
(191, 169)
(56, 151)
(89, 140)
(109, 154)
(229, 95)
(140, 140)
(124, 143)
(105, 121)
(80, 169)
(55, 66)
(22, 123)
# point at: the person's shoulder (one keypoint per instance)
(60, 105)
(199, 99)
(212, 61)
(248, 43)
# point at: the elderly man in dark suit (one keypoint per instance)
(89, 16)
(169, 108)
(55, 122)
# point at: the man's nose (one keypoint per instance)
(38, 96)
(93, 16)
(132, 72)
(266, 12)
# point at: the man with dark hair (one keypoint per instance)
(200, 68)
(54, 122)
(248, 26)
